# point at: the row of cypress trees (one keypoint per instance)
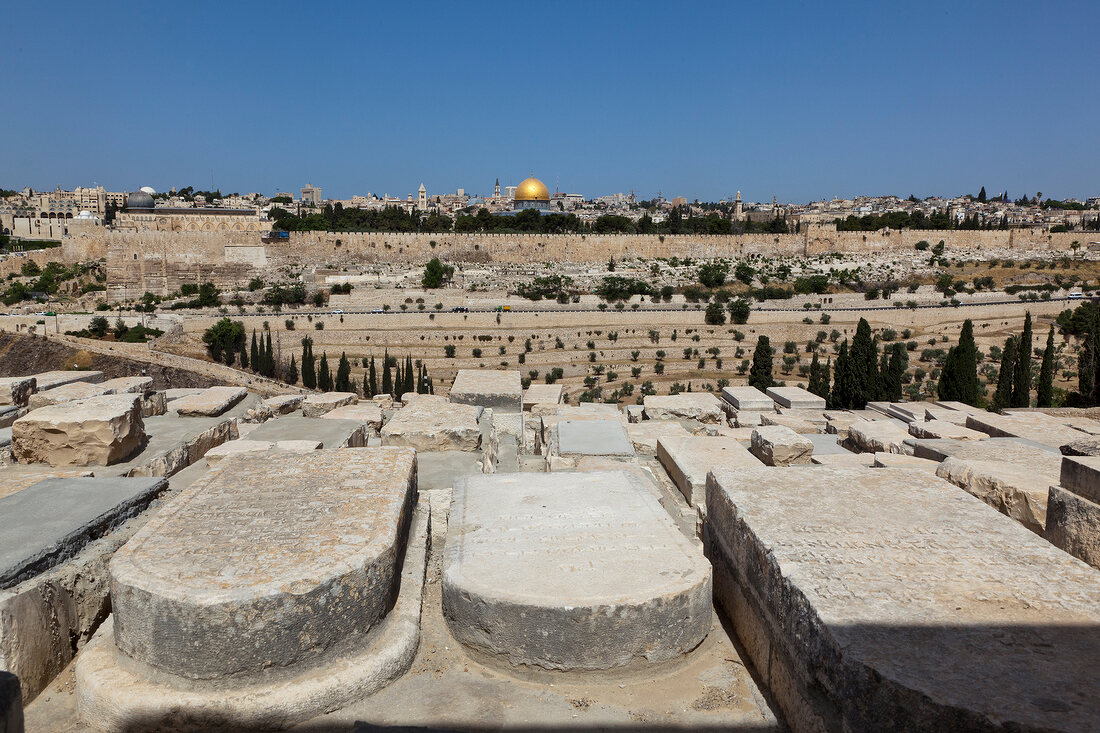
(397, 377)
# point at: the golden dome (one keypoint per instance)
(532, 190)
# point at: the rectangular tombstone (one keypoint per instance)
(878, 436)
(688, 459)
(284, 403)
(1025, 454)
(17, 390)
(126, 385)
(863, 460)
(944, 414)
(332, 433)
(316, 405)
(944, 429)
(778, 445)
(277, 558)
(898, 460)
(211, 402)
(499, 389)
(959, 407)
(796, 397)
(94, 432)
(54, 519)
(67, 393)
(434, 424)
(571, 571)
(367, 413)
(541, 394)
(1032, 425)
(699, 406)
(748, 398)
(644, 435)
(887, 599)
(796, 424)
(49, 380)
(593, 438)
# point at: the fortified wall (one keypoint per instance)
(159, 262)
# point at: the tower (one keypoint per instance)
(738, 209)
(422, 198)
(496, 190)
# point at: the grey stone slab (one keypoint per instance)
(440, 469)
(1032, 425)
(593, 438)
(1027, 454)
(778, 445)
(11, 704)
(1081, 475)
(1010, 489)
(943, 429)
(278, 559)
(172, 443)
(748, 398)
(316, 405)
(886, 599)
(434, 424)
(700, 406)
(48, 380)
(796, 397)
(331, 433)
(499, 389)
(571, 571)
(53, 520)
(210, 402)
(688, 459)
(536, 394)
(97, 431)
(826, 444)
(1073, 525)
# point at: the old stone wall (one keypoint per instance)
(159, 262)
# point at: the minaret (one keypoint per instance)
(422, 197)
(738, 209)
(496, 190)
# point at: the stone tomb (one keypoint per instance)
(284, 404)
(94, 432)
(571, 571)
(210, 402)
(541, 394)
(887, 599)
(17, 390)
(796, 397)
(330, 432)
(499, 389)
(688, 459)
(317, 405)
(280, 564)
(68, 393)
(367, 413)
(434, 424)
(49, 380)
(593, 438)
(748, 398)
(700, 406)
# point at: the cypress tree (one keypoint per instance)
(255, 352)
(1087, 358)
(1021, 386)
(895, 371)
(966, 368)
(410, 377)
(1003, 396)
(843, 378)
(343, 374)
(863, 364)
(243, 355)
(269, 358)
(760, 376)
(373, 379)
(814, 384)
(309, 366)
(387, 378)
(291, 375)
(324, 376)
(1046, 373)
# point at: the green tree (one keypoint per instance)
(343, 374)
(866, 385)
(843, 379)
(269, 358)
(291, 374)
(959, 376)
(739, 311)
(309, 366)
(895, 372)
(410, 377)
(387, 377)
(224, 339)
(242, 355)
(1021, 385)
(255, 352)
(373, 378)
(436, 273)
(324, 376)
(819, 377)
(1003, 396)
(713, 274)
(98, 327)
(760, 376)
(1046, 373)
(715, 314)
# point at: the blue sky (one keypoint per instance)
(798, 100)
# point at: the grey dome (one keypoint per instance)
(139, 200)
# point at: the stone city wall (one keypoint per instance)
(159, 262)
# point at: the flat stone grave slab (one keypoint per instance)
(440, 469)
(367, 413)
(92, 432)
(644, 435)
(14, 479)
(944, 429)
(211, 402)
(593, 438)
(49, 380)
(796, 424)
(277, 558)
(330, 432)
(865, 460)
(499, 389)
(316, 405)
(749, 418)
(17, 390)
(748, 398)
(777, 445)
(127, 385)
(700, 406)
(936, 412)
(878, 436)
(825, 444)
(67, 393)
(172, 443)
(434, 424)
(898, 460)
(571, 571)
(887, 599)
(906, 411)
(960, 407)
(1010, 489)
(796, 397)
(1026, 454)
(541, 394)
(1032, 425)
(1073, 525)
(54, 519)
(284, 403)
(177, 393)
(688, 459)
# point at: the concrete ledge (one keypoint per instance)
(114, 695)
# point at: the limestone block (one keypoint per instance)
(1081, 475)
(67, 393)
(9, 414)
(316, 405)
(210, 402)
(49, 380)
(1031, 425)
(17, 390)
(748, 398)
(898, 460)
(277, 557)
(285, 403)
(178, 393)
(593, 438)
(541, 394)
(944, 429)
(887, 600)
(126, 385)
(644, 435)
(153, 404)
(796, 397)
(299, 445)
(1033, 457)
(960, 407)
(365, 412)
(777, 445)
(689, 458)
(571, 571)
(796, 424)
(1011, 490)
(383, 400)
(878, 436)
(408, 397)
(749, 419)
(434, 425)
(845, 459)
(499, 389)
(94, 432)
(700, 406)
(634, 413)
(1073, 525)
(944, 414)
(1082, 447)
(236, 448)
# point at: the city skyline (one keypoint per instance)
(806, 104)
